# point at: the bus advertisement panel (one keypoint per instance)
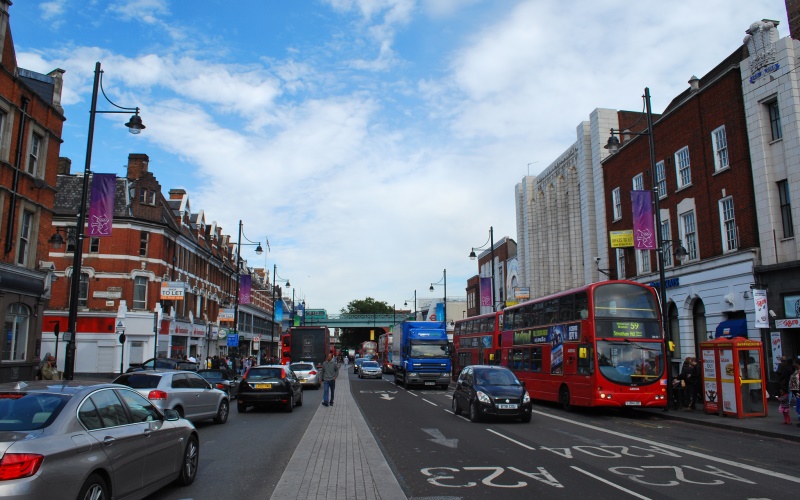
(286, 348)
(598, 345)
(476, 341)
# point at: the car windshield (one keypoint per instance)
(428, 350)
(369, 364)
(20, 411)
(139, 380)
(495, 377)
(264, 373)
(631, 363)
(302, 367)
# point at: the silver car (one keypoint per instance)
(370, 369)
(185, 392)
(307, 373)
(89, 440)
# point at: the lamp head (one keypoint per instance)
(259, 250)
(472, 255)
(288, 285)
(431, 288)
(681, 254)
(613, 143)
(57, 241)
(135, 124)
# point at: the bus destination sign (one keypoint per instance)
(627, 329)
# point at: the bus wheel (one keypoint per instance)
(563, 398)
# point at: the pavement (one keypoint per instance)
(338, 457)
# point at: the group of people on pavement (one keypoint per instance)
(688, 387)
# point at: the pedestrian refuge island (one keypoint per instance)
(733, 378)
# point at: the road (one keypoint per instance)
(245, 457)
(598, 454)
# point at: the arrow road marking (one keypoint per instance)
(439, 438)
(386, 397)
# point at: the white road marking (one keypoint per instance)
(611, 484)
(740, 465)
(429, 402)
(512, 440)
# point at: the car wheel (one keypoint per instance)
(300, 401)
(94, 488)
(222, 412)
(474, 416)
(289, 408)
(191, 456)
(456, 409)
(525, 418)
(563, 398)
(405, 380)
(241, 407)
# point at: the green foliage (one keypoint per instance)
(352, 337)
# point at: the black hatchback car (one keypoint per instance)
(486, 390)
(269, 385)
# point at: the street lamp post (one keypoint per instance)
(405, 304)
(135, 126)
(444, 279)
(259, 251)
(272, 330)
(473, 257)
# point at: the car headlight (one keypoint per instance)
(526, 398)
(412, 374)
(483, 398)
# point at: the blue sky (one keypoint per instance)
(373, 142)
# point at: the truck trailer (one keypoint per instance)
(309, 343)
(421, 354)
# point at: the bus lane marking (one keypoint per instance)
(679, 474)
(747, 467)
(448, 473)
(512, 440)
(429, 402)
(606, 481)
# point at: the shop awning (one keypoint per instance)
(732, 328)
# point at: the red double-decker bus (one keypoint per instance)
(597, 345)
(476, 341)
(286, 348)
(368, 349)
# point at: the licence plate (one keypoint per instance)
(633, 403)
(504, 406)
(263, 386)
(430, 383)
(302, 380)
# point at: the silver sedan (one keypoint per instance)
(89, 440)
(370, 369)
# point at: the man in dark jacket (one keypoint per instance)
(784, 373)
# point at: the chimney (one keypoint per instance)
(58, 86)
(793, 13)
(137, 165)
(694, 82)
(64, 165)
(177, 194)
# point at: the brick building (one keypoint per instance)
(155, 242)
(705, 188)
(504, 250)
(31, 120)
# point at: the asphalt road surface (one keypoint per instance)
(591, 453)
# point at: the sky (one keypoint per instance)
(372, 143)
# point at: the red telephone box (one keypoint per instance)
(733, 378)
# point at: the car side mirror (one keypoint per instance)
(171, 415)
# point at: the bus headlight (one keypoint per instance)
(526, 398)
(483, 398)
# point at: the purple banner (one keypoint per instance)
(644, 234)
(486, 291)
(244, 289)
(101, 205)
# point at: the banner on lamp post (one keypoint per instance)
(486, 292)
(761, 307)
(644, 233)
(244, 289)
(101, 205)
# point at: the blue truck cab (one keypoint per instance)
(421, 354)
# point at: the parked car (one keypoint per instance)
(185, 392)
(222, 379)
(84, 439)
(269, 385)
(307, 373)
(163, 364)
(357, 364)
(487, 390)
(370, 369)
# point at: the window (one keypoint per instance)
(684, 168)
(151, 197)
(70, 239)
(786, 209)
(620, 263)
(666, 244)
(25, 232)
(689, 229)
(109, 407)
(617, 204)
(729, 240)
(33, 154)
(661, 180)
(719, 142)
(140, 292)
(643, 261)
(83, 290)
(141, 409)
(142, 196)
(638, 183)
(94, 245)
(775, 120)
(143, 241)
(15, 338)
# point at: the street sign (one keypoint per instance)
(172, 290)
(233, 340)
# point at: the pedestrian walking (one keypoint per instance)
(783, 399)
(784, 373)
(794, 388)
(330, 371)
(687, 384)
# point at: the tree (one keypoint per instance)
(352, 337)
